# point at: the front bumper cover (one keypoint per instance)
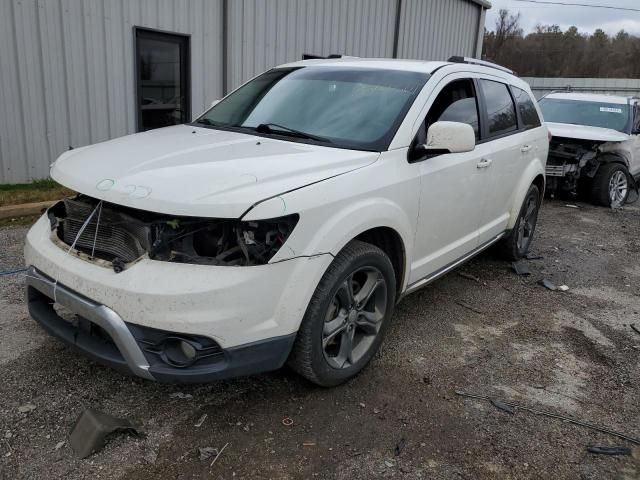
(121, 345)
(234, 306)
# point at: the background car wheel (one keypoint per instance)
(347, 317)
(517, 243)
(611, 185)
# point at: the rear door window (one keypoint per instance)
(526, 109)
(501, 112)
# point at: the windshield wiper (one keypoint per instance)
(282, 130)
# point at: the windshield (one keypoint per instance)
(358, 108)
(594, 114)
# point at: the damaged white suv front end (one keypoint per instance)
(217, 292)
(595, 145)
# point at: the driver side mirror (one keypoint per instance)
(446, 137)
(450, 137)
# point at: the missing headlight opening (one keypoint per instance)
(124, 235)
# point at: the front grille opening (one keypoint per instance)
(109, 234)
(73, 329)
(119, 235)
(83, 325)
(61, 317)
(64, 313)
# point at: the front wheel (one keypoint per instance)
(611, 185)
(347, 317)
(516, 244)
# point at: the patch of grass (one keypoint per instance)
(36, 191)
(43, 184)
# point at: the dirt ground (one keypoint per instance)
(572, 353)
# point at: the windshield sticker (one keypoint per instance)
(610, 110)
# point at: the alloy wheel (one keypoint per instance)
(354, 317)
(527, 223)
(618, 187)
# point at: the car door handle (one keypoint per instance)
(526, 148)
(485, 163)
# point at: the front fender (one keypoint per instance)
(344, 225)
(334, 212)
(615, 152)
(327, 230)
(533, 170)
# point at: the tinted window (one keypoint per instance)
(636, 125)
(358, 108)
(455, 103)
(500, 109)
(526, 108)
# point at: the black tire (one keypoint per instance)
(309, 357)
(514, 247)
(600, 189)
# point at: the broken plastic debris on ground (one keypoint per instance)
(92, 428)
(549, 285)
(521, 268)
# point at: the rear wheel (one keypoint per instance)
(347, 317)
(611, 185)
(517, 243)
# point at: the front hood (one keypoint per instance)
(192, 171)
(584, 132)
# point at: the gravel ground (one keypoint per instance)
(501, 335)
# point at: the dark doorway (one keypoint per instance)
(162, 75)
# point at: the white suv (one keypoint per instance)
(595, 145)
(287, 221)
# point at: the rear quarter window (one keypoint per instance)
(501, 111)
(526, 108)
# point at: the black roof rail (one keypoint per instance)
(475, 61)
(311, 56)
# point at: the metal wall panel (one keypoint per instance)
(624, 87)
(67, 72)
(263, 34)
(438, 29)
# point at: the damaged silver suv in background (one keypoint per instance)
(595, 145)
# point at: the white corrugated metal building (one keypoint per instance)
(76, 72)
